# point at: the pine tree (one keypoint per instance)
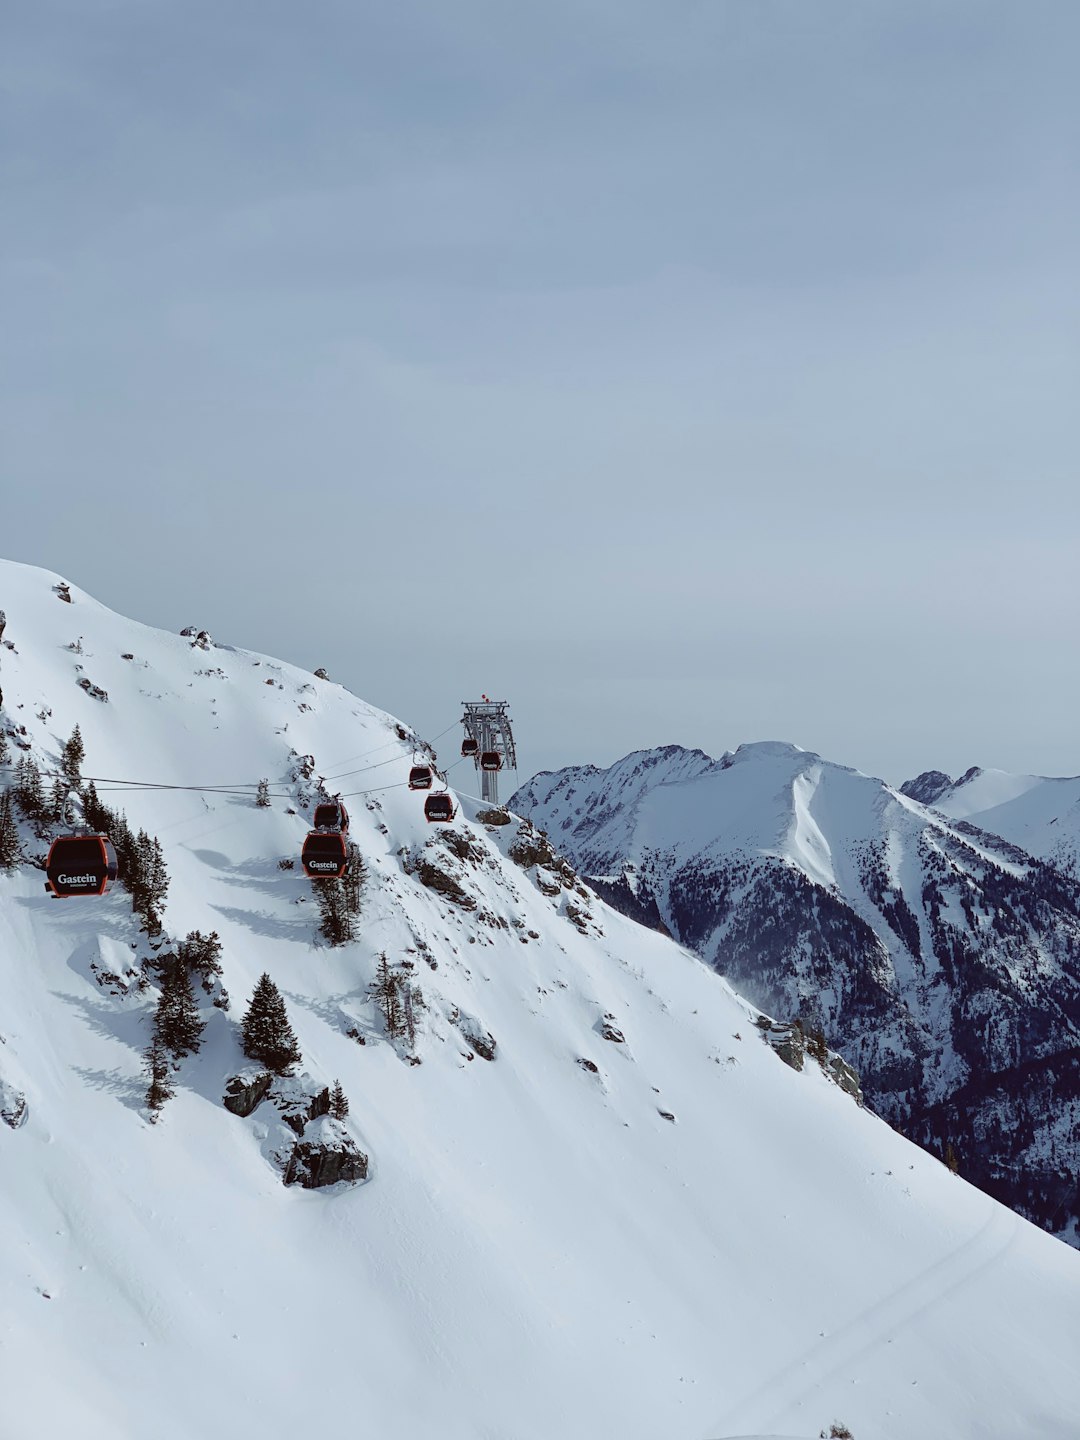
(202, 953)
(352, 884)
(72, 757)
(9, 834)
(262, 795)
(267, 1036)
(412, 1004)
(156, 1065)
(94, 811)
(29, 795)
(58, 801)
(177, 1023)
(384, 990)
(116, 825)
(148, 880)
(159, 885)
(339, 1105)
(951, 1159)
(335, 920)
(5, 753)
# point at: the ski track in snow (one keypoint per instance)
(788, 1390)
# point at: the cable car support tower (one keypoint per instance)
(487, 726)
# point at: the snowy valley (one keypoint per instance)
(576, 1195)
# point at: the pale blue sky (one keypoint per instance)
(695, 372)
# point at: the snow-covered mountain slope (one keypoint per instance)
(941, 960)
(688, 1240)
(1040, 813)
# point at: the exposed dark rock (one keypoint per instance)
(297, 1107)
(481, 1041)
(461, 845)
(610, 1031)
(532, 847)
(589, 1065)
(330, 1159)
(496, 817)
(245, 1093)
(786, 1040)
(927, 787)
(845, 1075)
(578, 916)
(436, 878)
(14, 1110)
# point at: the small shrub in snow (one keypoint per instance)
(339, 1105)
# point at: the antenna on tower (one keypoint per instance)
(489, 740)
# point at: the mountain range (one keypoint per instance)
(575, 1189)
(941, 957)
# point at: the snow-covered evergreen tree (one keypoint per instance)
(385, 991)
(177, 1023)
(72, 757)
(148, 880)
(9, 834)
(335, 918)
(202, 953)
(262, 795)
(267, 1036)
(157, 1067)
(29, 794)
(339, 1105)
(352, 883)
(412, 1005)
(57, 802)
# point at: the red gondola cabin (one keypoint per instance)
(420, 777)
(439, 807)
(80, 865)
(469, 747)
(331, 815)
(491, 760)
(324, 856)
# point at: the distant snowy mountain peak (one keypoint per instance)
(573, 1176)
(927, 787)
(934, 946)
(1038, 813)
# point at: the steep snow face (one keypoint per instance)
(942, 960)
(580, 1236)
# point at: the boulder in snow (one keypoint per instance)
(327, 1155)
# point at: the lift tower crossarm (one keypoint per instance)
(488, 723)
